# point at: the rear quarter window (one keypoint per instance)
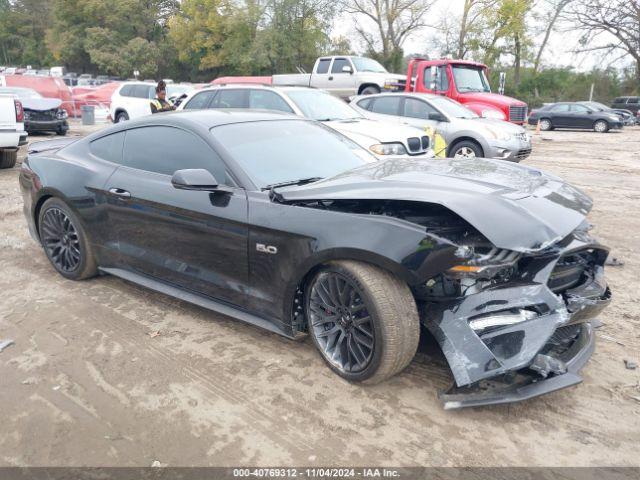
(365, 103)
(108, 148)
(126, 91)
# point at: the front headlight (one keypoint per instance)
(498, 134)
(61, 114)
(388, 149)
(482, 262)
(495, 114)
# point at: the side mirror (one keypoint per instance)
(197, 179)
(347, 69)
(437, 117)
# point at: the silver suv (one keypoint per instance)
(465, 133)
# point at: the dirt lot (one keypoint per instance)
(106, 373)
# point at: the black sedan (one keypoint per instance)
(627, 116)
(574, 115)
(41, 114)
(284, 223)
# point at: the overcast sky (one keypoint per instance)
(558, 52)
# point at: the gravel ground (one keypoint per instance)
(107, 373)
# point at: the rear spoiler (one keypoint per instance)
(49, 145)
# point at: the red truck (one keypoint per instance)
(465, 82)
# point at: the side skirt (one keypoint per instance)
(197, 299)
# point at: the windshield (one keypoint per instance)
(273, 152)
(470, 79)
(452, 108)
(364, 64)
(175, 90)
(597, 106)
(322, 106)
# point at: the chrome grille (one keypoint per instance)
(41, 116)
(517, 113)
(414, 144)
(522, 154)
(425, 142)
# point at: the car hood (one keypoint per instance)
(516, 207)
(41, 104)
(492, 123)
(378, 132)
(489, 98)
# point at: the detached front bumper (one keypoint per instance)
(495, 358)
(528, 383)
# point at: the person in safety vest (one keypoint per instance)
(438, 143)
(160, 103)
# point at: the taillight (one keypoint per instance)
(19, 111)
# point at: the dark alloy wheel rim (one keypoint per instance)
(60, 240)
(341, 322)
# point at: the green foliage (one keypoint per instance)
(23, 25)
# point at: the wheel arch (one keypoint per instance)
(368, 84)
(466, 138)
(306, 271)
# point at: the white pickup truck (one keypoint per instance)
(344, 76)
(12, 134)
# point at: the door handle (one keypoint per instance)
(331, 78)
(119, 192)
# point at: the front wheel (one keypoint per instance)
(370, 90)
(546, 125)
(121, 117)
(363, 320)
(466, 149)
(64, 241)
(601, 126)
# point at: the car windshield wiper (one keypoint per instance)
(302, 181)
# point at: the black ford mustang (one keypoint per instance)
(286, 224)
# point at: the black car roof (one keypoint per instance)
(209, 118)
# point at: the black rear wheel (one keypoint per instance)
(363, 320)
(64, 241)
(8, 158)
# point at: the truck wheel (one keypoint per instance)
(465, 149)
(64, 241)
(61, 132)
(370, 90)
(601, 126)
(363, 320)
(8, 158)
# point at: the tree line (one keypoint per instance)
(198, 40)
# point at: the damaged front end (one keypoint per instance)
(515, 325)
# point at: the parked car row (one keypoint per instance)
(575, 115)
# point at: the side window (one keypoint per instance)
(267, 100)
(338, 63)
(231, 98)
(443, 80)
(619, 100)
(633, 100)
(323, 65)
(126, 91)
(201, 100)
(417, 109)
(167, 149)
(366, 103)
(561, 108)
(108, 148)
(579, 109)
(140, 91)
(386, 105)
(426, 79)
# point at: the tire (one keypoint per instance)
(465, 149)
(61, 133)
(61, 231)
(121, 117)
(601, 126)
(545, 124)
(370, 90)
(377, 348)
(8, 158)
